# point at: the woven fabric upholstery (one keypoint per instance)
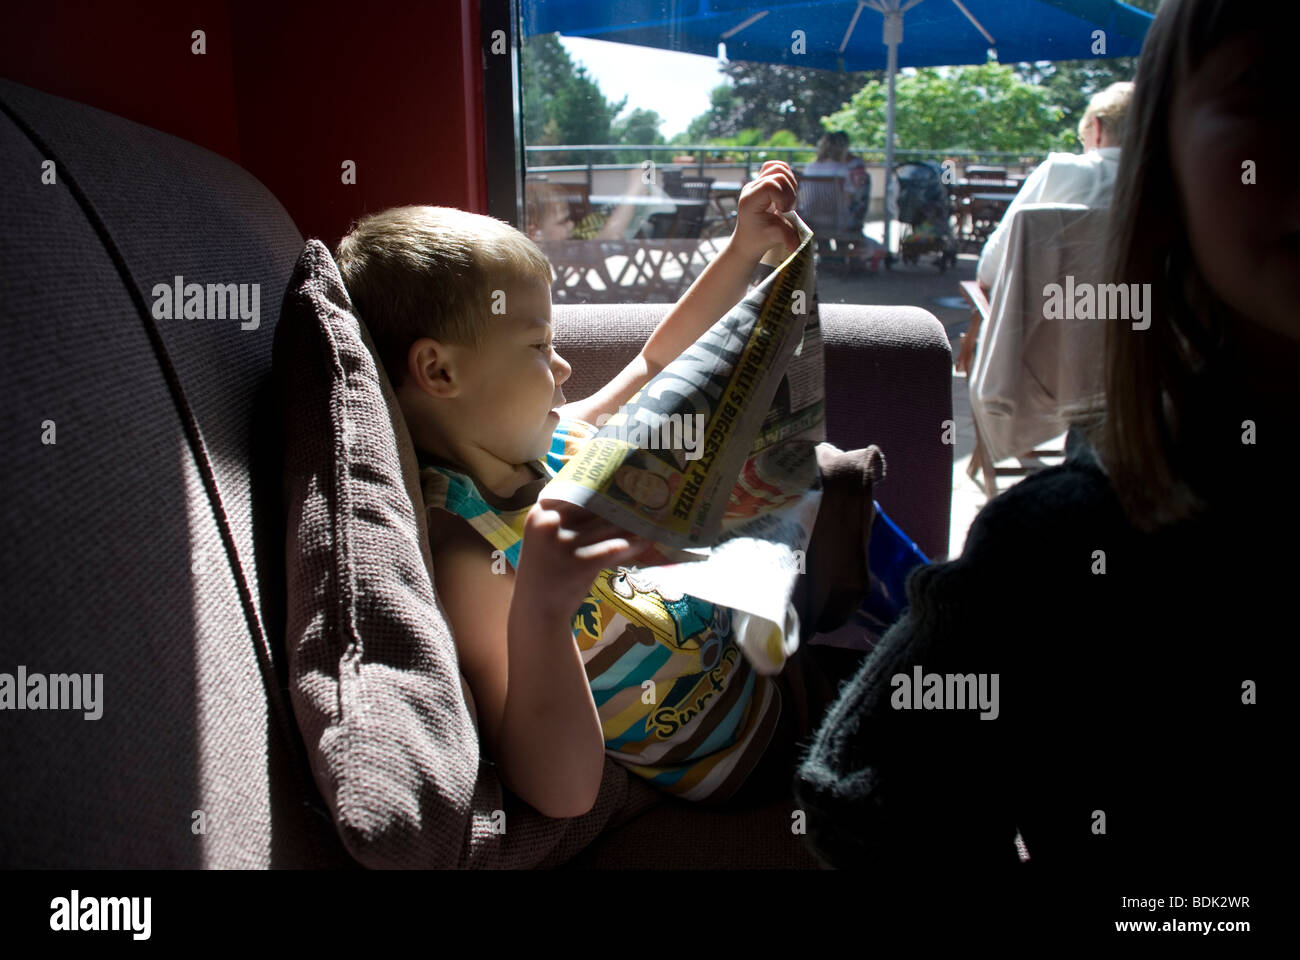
(130, 547)
(372, 664)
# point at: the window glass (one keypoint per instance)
(636, 152)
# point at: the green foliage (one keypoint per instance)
(971, 109)
(640, 126)
(562, 104)
(1070, 83)
(753, 137)
(771, 97)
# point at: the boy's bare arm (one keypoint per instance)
(551, 739)
(720, 287)
(537, 717)
(542, 730)
(475, 601)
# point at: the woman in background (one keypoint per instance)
(835, 160)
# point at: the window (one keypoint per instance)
(629, 157)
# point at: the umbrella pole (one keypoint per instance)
(893, 34)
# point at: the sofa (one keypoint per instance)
(155, 556)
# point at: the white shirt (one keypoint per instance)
(1087, 178)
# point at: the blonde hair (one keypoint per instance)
(1110, 106)
(833, 146)
(542, 202)
(414, 272)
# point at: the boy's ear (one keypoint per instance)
(431, 367)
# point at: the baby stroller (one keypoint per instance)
(923, 205)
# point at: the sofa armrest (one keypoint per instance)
(888, 382)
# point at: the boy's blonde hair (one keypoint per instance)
(1110, 106)
(415, 272)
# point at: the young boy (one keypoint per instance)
(568, 653)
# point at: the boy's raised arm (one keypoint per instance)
(760, 226)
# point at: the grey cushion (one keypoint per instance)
(372, 665)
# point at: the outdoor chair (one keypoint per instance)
(1026, 371)
(823, 205)
(687, 222)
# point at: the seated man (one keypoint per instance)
(1087, 178)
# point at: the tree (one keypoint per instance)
(720, 119)
(562, 104)
(640, 126)
(968, 110)
(772, 96)
(1070, 83)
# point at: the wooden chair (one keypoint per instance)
(1024, 368)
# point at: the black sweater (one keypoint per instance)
(1119, 692)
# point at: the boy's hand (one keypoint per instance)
(759, 223)
(565, 547)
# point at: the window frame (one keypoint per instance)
(504, 161)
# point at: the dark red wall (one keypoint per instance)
(387, 85)
(130, 59)
(289, 90)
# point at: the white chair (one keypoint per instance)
(1028, 368)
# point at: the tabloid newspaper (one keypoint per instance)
(714, 460)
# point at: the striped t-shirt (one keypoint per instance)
(679, 704)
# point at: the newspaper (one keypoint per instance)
(714, 460)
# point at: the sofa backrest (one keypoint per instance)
(888, 382)
(140, 503)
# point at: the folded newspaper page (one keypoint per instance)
(714, 461)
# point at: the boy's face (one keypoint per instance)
(511, 385)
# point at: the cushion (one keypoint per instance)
(373, 677)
